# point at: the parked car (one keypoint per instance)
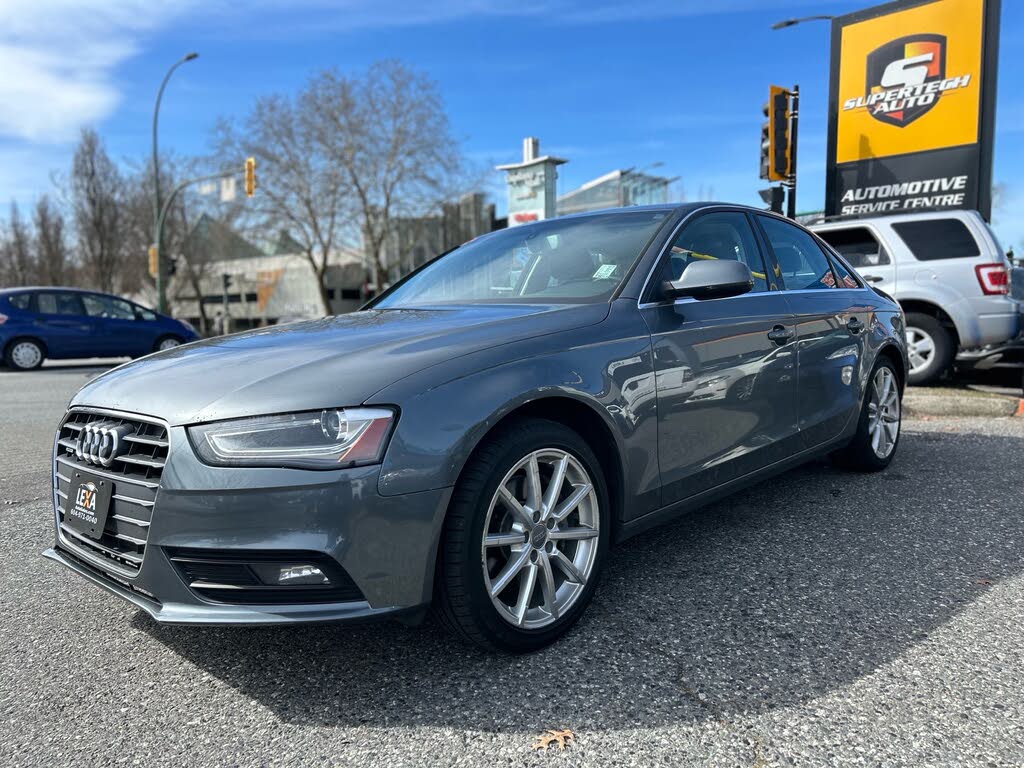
(949, 274)
(64, 323)
(473, 446)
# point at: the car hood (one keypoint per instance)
(335, 361)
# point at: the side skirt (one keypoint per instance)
(676, 509)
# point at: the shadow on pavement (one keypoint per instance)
(770, 599)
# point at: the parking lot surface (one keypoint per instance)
(820, 618)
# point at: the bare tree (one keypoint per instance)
(52, 255)
(96, 196)
(299, 189)
(387, 132)
(346, 155)
(17, 262)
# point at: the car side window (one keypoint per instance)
(931, 239)
(722, 235)
(802, 263)
(20, 300)
(145, 314)
(857, 245)
(843, 277)
(107, 306)
(58, 304)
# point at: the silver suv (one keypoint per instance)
(947, 271)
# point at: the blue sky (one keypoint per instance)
(606, 84)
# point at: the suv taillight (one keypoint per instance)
(3, 318)
(993, 278)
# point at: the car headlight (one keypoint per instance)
(187, 325)
(328, 439)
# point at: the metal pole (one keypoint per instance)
(166, 207)
(794, 121)
(161, 270)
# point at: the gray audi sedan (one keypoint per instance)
(478, 436)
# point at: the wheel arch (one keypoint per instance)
(583, 418)
(893, 354)
(933, 310)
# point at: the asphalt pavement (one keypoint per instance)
(820, 618)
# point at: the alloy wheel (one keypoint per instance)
(168, 344)
(884, 413)
(920, 349)
(26, 354)
(540, 538)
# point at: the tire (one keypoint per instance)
(466, 576)
(863, 453)
(930, 347)
(24, 354)
(167, 342)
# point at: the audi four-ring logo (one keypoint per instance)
(100, 442)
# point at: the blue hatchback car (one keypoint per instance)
(62, 323)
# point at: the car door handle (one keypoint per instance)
(873, 278)
(855, 325)
(780, 334)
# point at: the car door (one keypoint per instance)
(832, 316)
(62, 324)
(863, 249)
(725, 370)
(119, 331)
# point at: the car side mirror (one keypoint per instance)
(711, 279)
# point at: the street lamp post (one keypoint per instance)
(161, 267)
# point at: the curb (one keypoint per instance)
(922, 401)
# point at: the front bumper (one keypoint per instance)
(386, 544)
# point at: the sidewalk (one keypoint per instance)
(949, 401)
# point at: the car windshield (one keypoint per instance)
(571, 260)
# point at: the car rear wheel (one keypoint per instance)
(524, 539)
(166, 342)
(930, 348)
(24, 354)
(878, 431)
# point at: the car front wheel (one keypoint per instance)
(524, 538)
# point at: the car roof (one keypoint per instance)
(23, 288)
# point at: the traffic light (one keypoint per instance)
(226, 281)
(775, 139)
(250, 176)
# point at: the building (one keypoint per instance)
(258, 287)
(615, 189)
(412, 241)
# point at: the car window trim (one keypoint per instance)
(645, 299)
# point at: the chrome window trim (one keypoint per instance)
(103, 564)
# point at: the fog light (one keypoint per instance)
(847, 374)
(288, 575)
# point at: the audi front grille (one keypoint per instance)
(132, 458)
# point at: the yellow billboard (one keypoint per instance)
(910, 77)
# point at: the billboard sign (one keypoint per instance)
(912, 107)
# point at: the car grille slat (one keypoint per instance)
(136, 481)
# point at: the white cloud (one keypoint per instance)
(58, 58)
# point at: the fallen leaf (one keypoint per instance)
(984, 582)
(549, 737)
